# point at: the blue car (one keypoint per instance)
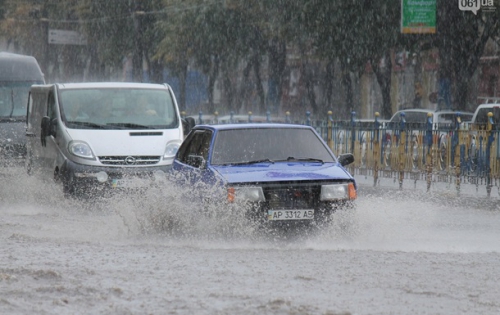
(278, 173)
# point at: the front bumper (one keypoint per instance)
(88, 179)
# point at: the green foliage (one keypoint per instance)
(217, 36)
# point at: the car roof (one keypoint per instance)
(433, 112)
(439, 111)
(251, 126)
(87, 85)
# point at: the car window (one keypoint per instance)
(197, 144)
(243, 145)
(410, 117)
(482, 114)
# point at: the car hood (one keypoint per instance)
(286, 171)
(122, 142)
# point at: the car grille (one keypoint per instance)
(292, 196)
(129, 160)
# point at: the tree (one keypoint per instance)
(461, 38)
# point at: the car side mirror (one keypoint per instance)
(196, 161)
(187, 124)
(346, 159)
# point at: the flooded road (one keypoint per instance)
(401, 253)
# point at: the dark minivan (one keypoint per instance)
(17, 74)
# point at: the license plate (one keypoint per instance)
(277, 215)
(129, 183)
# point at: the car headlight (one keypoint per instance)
(252, 194)
(171, 149)
(81, 149)
(338, 192)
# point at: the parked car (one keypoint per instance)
(280, 174)
(443, 122)
(99, 137)
(480, 121)
(480, 117)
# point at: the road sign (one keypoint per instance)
(418, 16)
(63, 37)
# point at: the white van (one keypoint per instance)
(17, 74)
(97, 137)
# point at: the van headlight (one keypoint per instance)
(338, 192)
(171, 149)
(81, 149)
(252, 194)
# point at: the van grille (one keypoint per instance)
(129, 160)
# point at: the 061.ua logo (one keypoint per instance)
(475, 5)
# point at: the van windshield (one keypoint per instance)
(117, 108)
(14, 99)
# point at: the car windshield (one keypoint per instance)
(411, 117)
(482, 114)
(268, 144)
(117, 108)
(14, 99)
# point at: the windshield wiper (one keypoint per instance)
(88, 124)
(294, 159)
(251, 162)
(131, 125)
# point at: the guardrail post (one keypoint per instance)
(429, 162)
(376, 148)
(329, 130)
(200, 117)
(231, 117)
(491, 137)
(249, 117)
(287, 117)
(401, 144)
(353, 131)
(456, 151)
(216, 117)
(268, 116)
(308, 118)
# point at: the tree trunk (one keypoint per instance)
(328, 86)
(258, 84)
(211, 84)
(347, 84)
(383, 75)
(182, 87)
(277, 63)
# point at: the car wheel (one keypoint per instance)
(68, 184)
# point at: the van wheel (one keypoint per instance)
(68, 186)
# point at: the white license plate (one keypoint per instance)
(277, 215)
(129, 183)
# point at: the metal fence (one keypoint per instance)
(455, 152)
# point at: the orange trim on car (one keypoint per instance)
(352, 191)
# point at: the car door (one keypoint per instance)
(37, 108)
(49, 143)
(192, 159)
